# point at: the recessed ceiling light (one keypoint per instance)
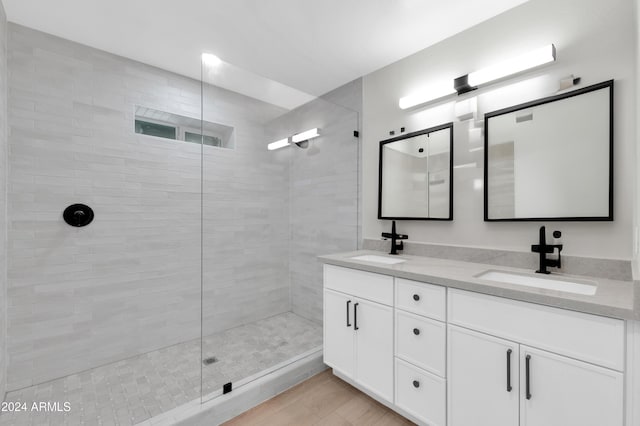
(211, 60)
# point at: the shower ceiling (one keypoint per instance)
(312, 46)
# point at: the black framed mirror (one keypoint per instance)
(551, 159)
(416, 175)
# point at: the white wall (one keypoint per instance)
(594, 40)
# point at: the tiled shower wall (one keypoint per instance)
(246, 221)
(130, 282)
(3, 200)
(323, 190)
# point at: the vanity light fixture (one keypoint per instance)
(306, 135)
(301, 139)
(278, 144)
(426, 95)
(530, 60)
(472, 81)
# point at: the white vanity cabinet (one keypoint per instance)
(420, 351)
(449, 357)
(358, 328)
(499, 369)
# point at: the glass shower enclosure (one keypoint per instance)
(198, 273)
(278, 189)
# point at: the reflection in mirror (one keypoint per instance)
(415, 180)
(551, 158)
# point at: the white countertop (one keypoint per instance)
(617, 299)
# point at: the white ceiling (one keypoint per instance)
(312, 46)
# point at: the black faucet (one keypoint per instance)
(394, 236)
(543, 248)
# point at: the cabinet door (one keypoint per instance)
(339, 337)
(562, 391)
(374, 347)
(482, 379)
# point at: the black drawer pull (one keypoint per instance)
(416, 331)
(355, 316)
(527, 378)
(509, 370)
(416, 384)
(348, 303)
(416, 297)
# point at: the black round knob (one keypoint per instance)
(78, 215)
(416, 297)
(416, 384)
(557, 234)
(416, 331)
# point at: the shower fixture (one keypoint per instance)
(78, 215)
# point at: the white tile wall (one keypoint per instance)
(3, 198)
(130, 282)
(245, 206)
(323, 190)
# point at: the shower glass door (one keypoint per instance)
(267, 214)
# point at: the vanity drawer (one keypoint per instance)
(591, 338)
(421, 341)
(422, 299)
(420, 394)
(367, 285)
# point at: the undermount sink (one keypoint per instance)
(379, 259)
(560, 284)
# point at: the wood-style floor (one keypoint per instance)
(322, 400)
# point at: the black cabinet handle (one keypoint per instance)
(416, 297)
(355, 316)
(348, 303)
(528, 379)
(416, 384)
(509, 370)
(416, 331)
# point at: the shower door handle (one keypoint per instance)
(348, 303)
(355, 316)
